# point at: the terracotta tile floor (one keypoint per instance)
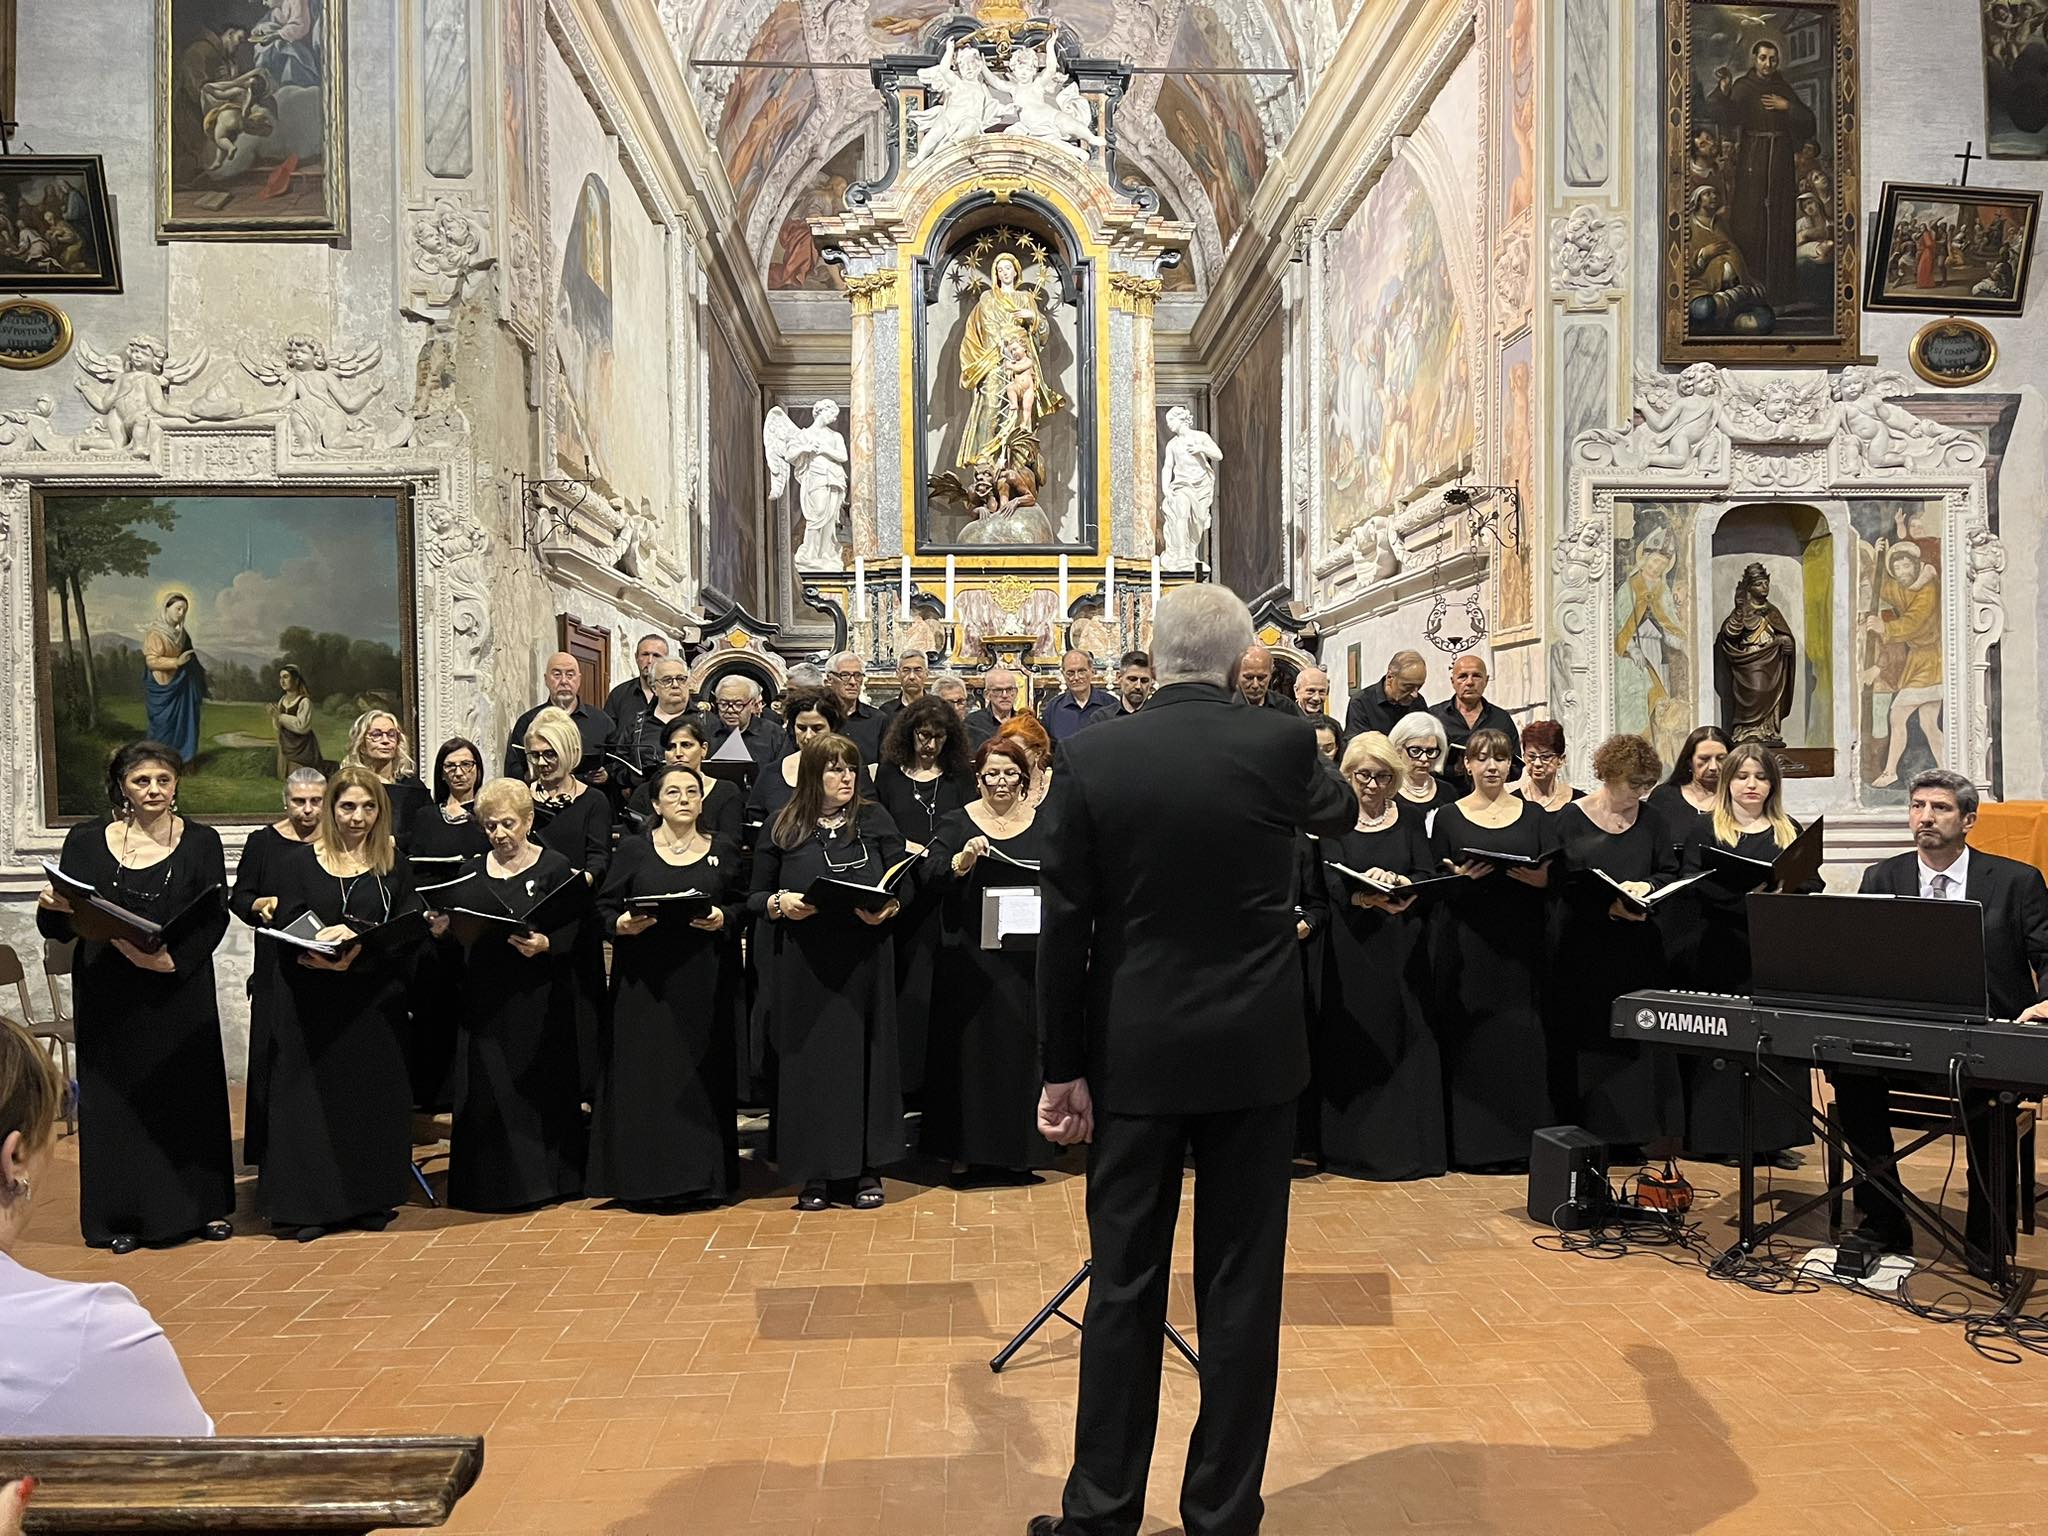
(753, 1370)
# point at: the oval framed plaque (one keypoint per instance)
(1953, 353)
(32, 334)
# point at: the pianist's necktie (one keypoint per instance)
(1939, 885)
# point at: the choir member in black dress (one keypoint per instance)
(926, 774)
(443, 836)
(340, 1152)
(518, 1138)
(1627, 1092)
(812, 713)
(1379, 1083)
(829, 983)
(981, 1097)
(1543, 782)
(1687, 797)
(377, 741)
(156, 1159)
(1421, 741)
(305, 790)
(684, 741)
(575, 820)
(1491, 963)
(1749, 819)
(663, 1132)
(1031, 731)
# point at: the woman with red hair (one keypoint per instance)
(1031, 733)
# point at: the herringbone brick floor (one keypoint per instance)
(753, 1370)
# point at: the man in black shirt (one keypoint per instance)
(636, 695)
(1467, 710)
(1134, 681)
(1255, 682)
(844, 675)
(564, 680)
(913, 671)
(1380, 706)
(999, 694)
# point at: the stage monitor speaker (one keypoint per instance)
(1567, 1178)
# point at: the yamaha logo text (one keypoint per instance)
(1671, 1022)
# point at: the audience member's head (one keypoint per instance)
(31, 1098)
(1312, 691)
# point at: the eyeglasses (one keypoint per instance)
(730, 706)
(1001, 693)
(1001, 776)
(1541, 759)
(542, 755)
(458, 765)
(671, 682)
(1423, 754)
(1372, 776)
(845, 677)
(381, 735)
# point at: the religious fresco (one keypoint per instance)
(515, 110)
(1249, 555)
(732, 557)
(609, 324)
(1212, 119)
(1654, 622)
(1517, 152)
(247, 632)
(767, 110)
(1900, 657)
(1397, 382)
(794, 265)
(1516, 566)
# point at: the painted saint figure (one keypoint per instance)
(1907, 628)
(1754, 656)
(1762, 112)
(173, 681)
(291, 717)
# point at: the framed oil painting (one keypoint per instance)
(1761, 235)
(2015, 85)
(1952, 250)
(245, 630)
(56, 226)
(252, 131)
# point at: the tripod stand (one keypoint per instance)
(1052, 1310)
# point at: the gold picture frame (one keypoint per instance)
(1762, 191)
(1953, 353)
(32, 334)
(251, 124)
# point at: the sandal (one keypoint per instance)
(869, 1196)
(813, 1198)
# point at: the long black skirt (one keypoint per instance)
(832, 1015)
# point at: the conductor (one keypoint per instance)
(1171, 1017)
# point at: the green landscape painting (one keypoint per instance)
(245, 631)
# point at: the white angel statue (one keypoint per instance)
(966, 100)
(324, 407)
(1187, 489)
(137, 400)
(1049, 104)
(817, 454)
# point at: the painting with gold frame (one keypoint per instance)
(251, 120)
(1762, 114)
(56, 226)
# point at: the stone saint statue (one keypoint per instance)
(1187, 489)
(1754, 655)
(817, 454)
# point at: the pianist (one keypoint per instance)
(1940, 812)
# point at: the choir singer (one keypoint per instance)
(1171, 1015)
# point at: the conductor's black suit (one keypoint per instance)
(2015, 903)
(1169, 977)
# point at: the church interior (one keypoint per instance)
(1669, 359)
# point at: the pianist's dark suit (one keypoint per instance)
(2015, 903)
(1169, 976)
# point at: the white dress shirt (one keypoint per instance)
(1957, 876)
(79, 1359)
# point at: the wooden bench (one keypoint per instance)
(260, 1486)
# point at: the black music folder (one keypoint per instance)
(377, 939)
(102, 920)
(1428, 885)
(484, 915)
(681, 906)
(1642, 904)
(1509, 860)
(1797, 863)
(830, 895)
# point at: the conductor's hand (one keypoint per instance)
(1066, 1115)
(630, 923)
(530, 945)
(158, 960)
(2036, 1014)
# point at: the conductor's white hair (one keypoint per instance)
(1419, 725)
(1198, 633)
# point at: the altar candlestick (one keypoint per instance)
(949, 586)
(904, 601)
(1063, 583)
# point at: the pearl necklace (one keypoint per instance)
(1375, 823)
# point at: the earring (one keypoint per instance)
(19, 1190)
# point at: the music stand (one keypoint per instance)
(1052, 1310)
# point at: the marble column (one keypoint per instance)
(1138, 295)
(867, 292)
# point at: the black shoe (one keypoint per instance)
(216, 1232)
(813, 1198)
(125, 1243)
(1043, 1525)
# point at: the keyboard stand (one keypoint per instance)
(2014, 1282)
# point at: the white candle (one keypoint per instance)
(949, 586)
(904, 601)
(1109, 589)
(1063, 583)
(1155, 581)
(860, 586)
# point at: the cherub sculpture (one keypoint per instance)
(1048, 103)
(136, 401)
(322, 404)
(817, 455)
(1881, 434)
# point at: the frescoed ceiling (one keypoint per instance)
(1203, 140)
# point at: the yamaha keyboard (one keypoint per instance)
(1996, 1053)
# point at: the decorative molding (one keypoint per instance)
(1511, 280)
(1588, 257)
(1129, 291)
(872, 292)
(450, 240)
